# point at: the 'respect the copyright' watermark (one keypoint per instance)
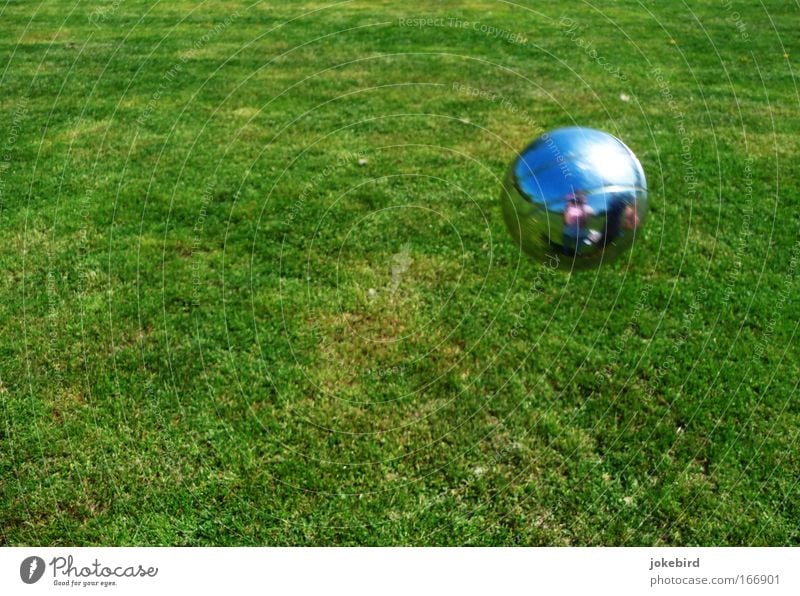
(457, 23)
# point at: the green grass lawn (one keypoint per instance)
(257, 290)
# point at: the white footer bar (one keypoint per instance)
(401, 571)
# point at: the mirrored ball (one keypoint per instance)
(576, 197)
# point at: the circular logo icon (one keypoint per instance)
(31, 569)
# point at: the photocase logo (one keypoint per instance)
(401, 261)
(31, 569)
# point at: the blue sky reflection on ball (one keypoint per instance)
(576, 196)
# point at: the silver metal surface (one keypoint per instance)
(575, 195)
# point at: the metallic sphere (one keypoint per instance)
(576, 197)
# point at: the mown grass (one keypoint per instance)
(256, 287)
